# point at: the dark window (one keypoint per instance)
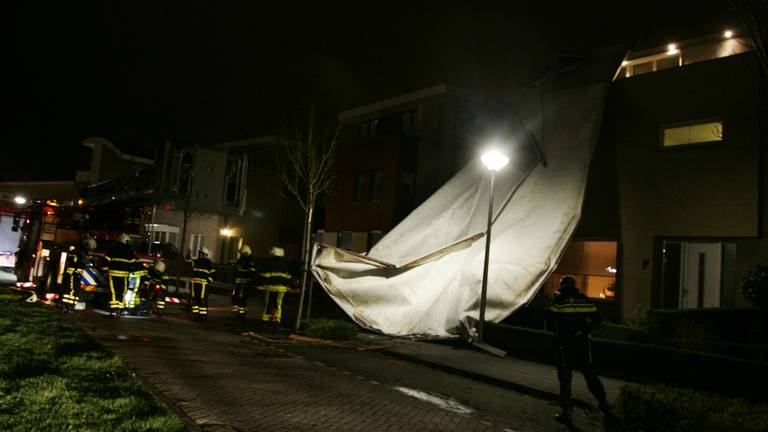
(668, 62)
(362, 189)
(373, 238)
(389, 124)
(369, 128)
(406, 122)
(642, 68)
(345, 240)
(377, 180)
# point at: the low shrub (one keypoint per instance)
(331, 329)
(620, 332)
(663, 408)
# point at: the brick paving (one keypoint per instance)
(226, 382)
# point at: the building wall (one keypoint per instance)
(429, 156)
(200, 223)
(267, 215)
(108, 162)
(707, 191)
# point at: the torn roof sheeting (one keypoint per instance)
(424, 277)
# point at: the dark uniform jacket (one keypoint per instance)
(275, 276)
(572, 314)
(75, 261)
(153, 278)
(245, 269)
(120, 260)
(202, 269)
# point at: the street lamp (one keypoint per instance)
(19, 200)
(494, 160)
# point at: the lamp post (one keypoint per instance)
(494, 160)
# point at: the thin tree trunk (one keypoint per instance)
(304, 256)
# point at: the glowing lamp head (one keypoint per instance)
(19, 200)
(226, 232)
(672, 49)
(728, 34)
(494, 160)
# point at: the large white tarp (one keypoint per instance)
(424, 277)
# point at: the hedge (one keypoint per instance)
(643, 362)
(691, 326)
(663, 408)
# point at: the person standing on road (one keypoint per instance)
(245, 270)
(202, 269)
(120, 263)
(572, 316)
(73, 270)
(274, 279)
(153, 287)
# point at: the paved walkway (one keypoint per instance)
(225, 380)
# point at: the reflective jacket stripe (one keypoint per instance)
(276, 274)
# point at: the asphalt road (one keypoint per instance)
(226, 381)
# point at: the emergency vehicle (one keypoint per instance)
(47, 232)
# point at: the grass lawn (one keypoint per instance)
(53, 377)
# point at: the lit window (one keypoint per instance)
(196, 242)
(592, 264)
(694, 133)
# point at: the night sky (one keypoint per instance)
(139, 73)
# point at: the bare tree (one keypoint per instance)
(305, 172)
(187, 217)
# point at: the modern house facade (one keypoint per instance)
(674, 210)
(673, 214)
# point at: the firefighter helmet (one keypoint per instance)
(276, 252)
(89, 243)
(158, 266)
(245, 250)
(204, 251)
(124, 238)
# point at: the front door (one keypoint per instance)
(700, 274)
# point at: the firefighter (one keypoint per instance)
(274, 279)
(73, 270)
(572, 316)
(121, 262)
(202, 269)
(136, 293)
(153, 287)
(245, 270)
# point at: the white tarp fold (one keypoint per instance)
(424, 277)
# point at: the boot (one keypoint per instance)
(565, 417)
(609, 418)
